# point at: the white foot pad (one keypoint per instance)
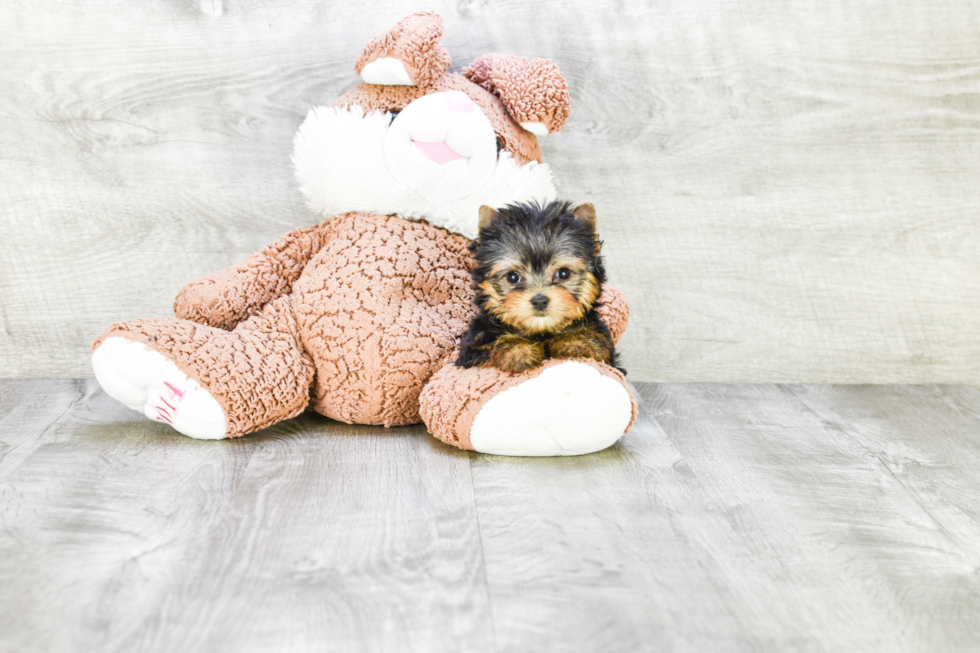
(150, 383)
(567, 410)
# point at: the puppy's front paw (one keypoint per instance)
(583, 343)
(513, 354)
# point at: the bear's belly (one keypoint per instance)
(380, 308)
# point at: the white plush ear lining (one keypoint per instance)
(414, 42)
(387, 71)
(536, 128)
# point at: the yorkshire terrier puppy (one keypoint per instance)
(538, 274)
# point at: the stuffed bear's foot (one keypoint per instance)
(150, 383)
(258, 373)
(562, 408)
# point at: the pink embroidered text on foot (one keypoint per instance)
(151, 384)
(174, 392)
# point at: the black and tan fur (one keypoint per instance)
(538, 275)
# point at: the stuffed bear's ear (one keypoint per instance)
(534, 92)
(408, 54)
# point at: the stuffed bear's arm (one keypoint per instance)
(614, 310)
(223, 299)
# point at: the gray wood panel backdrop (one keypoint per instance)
(789, 191)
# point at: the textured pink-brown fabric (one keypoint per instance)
(258, 373)
(454, 396)
(415, 41)
(522, 144)
(380, 308)
(614, 310)
(533, 90)
(223, 299)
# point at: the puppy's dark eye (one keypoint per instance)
(563, 274)
(500, 144)
(394, 114)
(513, 278)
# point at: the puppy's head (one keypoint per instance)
(538, 268)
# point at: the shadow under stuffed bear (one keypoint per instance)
(360, 317)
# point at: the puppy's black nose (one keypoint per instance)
(539, 302)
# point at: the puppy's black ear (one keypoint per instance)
(487, 215)
(586, 213)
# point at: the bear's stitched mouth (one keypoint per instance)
(437, 152)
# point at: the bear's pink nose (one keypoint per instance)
(459, 101)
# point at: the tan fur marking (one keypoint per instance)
(586, 213)
(573, 264)
(580, 343)
(487, 214)
(563, 309)
(493, 304)
(590, 291)
(570, 262)
(504, 266)
(514, 354)
(564, 305)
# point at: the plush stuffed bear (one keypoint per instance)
(359, 317)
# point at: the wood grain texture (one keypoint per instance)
(27, 411)
(732, 518)
(116, 535)
(786, 192)
(736, 518)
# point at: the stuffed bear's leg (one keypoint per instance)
(179, 372)
(562, 408)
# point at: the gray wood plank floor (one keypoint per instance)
(732, 518)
